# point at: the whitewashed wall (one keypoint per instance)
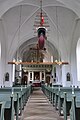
(69, 32)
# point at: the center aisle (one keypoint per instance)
(39, 108)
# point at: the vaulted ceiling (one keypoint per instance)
(23, 38)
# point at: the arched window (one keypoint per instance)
(78, 59)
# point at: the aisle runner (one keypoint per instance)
(39, 108)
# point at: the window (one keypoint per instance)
(78, 59)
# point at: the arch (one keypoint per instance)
(25, 47)
(31, 34)
(8, 4)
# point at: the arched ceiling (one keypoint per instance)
(68, 12)
(31, 43)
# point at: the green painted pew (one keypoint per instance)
(5, 96)
(7, 108)
(75, 105)
(50, 92)
(19, 95)
(23, 92)
(60, 97)
(2, 110)
(75, 108)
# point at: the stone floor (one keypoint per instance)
(39, 108)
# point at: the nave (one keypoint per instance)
(39, 46)
(39, 108)
(40, 103)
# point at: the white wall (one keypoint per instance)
(69, 32)
(72, 67)
(73, 53)
(4, 67)
(2, 58)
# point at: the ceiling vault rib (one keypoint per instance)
(21, 26)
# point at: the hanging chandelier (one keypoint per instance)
(43, 24)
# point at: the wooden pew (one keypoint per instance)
(49, 92)
(6, 97)
(18, 94)
(60, 98)
(63, 99)
(68, 99)
(75, 106)
(7, 109)
(2, 110)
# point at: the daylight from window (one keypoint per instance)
(78, 59)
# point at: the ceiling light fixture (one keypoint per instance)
(57, 62)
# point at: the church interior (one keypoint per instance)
(39, 59)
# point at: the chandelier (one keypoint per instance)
(44, 23)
